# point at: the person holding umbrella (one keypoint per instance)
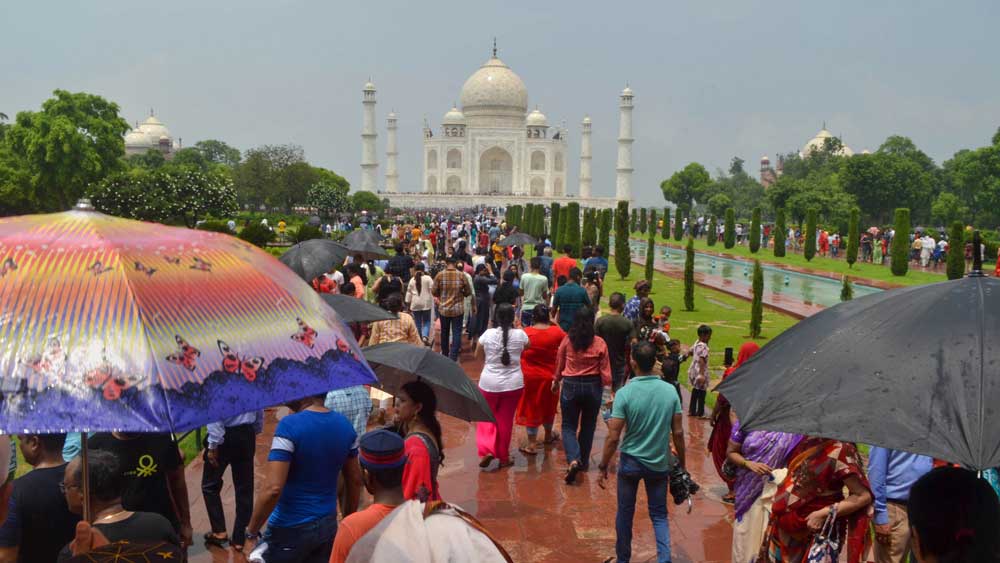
(502, 383)
(722, 425)
(954, 517)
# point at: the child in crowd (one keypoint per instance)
(698, 374)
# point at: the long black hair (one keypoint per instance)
(505, 318)
(421, 393)
(956, 516)
(581, 332)
(418, 275)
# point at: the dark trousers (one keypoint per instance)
(306, 543)
(580, 402)
(451, 336)
(697, 407)
(236, 451)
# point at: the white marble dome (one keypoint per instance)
(536, 119)
(154, 129)
(136, 138)
(816, 143)
(453, 117)
(494, 86)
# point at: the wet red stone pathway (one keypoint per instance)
(533, 514)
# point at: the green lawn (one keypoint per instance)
(818, 264)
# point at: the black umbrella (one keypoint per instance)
(314, 257)
(396, 363)
(365, 243)
(350, 309)
(518, 239)
(913, 369)
(315, 221)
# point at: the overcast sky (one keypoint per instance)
(712, 80)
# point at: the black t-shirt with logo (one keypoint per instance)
(146, 460)
(39, 522)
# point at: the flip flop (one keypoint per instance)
(552, 439)
(528, 451)
(211, 539)
(486, 461)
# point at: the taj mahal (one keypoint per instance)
(491, 150)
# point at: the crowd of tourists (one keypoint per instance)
(551, 341)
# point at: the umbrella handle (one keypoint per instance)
(85, 477)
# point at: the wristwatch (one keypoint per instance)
(252, 536)
(602, 468)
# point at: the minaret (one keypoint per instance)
(391, 175)
(369, 164)
(585, 159)
(623, 185)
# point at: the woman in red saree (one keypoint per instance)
(722, 423)
(818, 471)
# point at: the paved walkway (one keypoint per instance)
(528, 507)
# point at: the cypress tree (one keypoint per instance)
(755, 230)
(642, 220)
(780, 233)
(729, 232)
(651, 247)
(512, 215)
(623, 260)
(846, 290)
(757, 305)
(573, 228)
(604, 234)
(713, 231)
(666, 223)
(590, 227)
(956, 251)
(563, 227)
(526, 219)
(633, 219)
(678, 225)
(689, 276)
(539, 220)
(554, 223)
(810, 233)
(901, 243)
(853, 238)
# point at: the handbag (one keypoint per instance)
(729, 470)
(825, 547)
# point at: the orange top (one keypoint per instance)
(353, 527)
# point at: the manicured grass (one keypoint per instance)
(819, 264)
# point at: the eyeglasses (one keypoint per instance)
(64, 486)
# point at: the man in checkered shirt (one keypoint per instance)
(451, 290)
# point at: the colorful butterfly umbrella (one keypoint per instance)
(113, 324)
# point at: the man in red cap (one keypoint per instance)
(382, 460)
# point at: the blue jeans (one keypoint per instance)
(423, 322)
(630, 472)
(580, 402)
(306, 543)
(451, 330)
(527, 317)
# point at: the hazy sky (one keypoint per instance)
(711, 79)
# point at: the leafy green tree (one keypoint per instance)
(955, 260)
(306, 232)
(17, 190)
(367, 201)
(689, 275)
(651, 248)
(678, 225)
(743, 191)
(880, 181)
(554, 224)
(810, 234)
(275, 176)
(623, 257)
(719, 203)
(329, 198)
(757, 304)
(643, 215)
(853, 238)
(755, 230)
(780, 233)
(257, 234)
(74, 141)
(686, 186)
(604, 236)
(573, 228)
(589, 227)
(150, 160)
(666, 223)
(713, 231)
(846, 290)
(900, 250)
(191, 157)
(218, 152)
(729, 230)
(947, 208)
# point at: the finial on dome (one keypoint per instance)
(824, 124)
(150, 112)
(494, 47)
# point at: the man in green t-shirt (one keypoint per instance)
(650, 409)
(618, 333)
(534, 290)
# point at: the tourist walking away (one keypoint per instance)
(107, 481)
(416, 420)
(230, 443)
(154, 476)
(892, 474)
(954, 518)
(382, 458)
(818, 471)
(534, 290)
(648, 411)
(562, 265)
(420, 300)
(311, 449)
(631, 311)
(401, 265)
(722, 425)
(597, 261)
(483, 285)
(451, 289)
(506, 293)
(671, 366)
(698, 374)
(501, 383)
(569, 298)
(355, 403)
(583, 368)
(400, 329)
(618, 333)
(758, 460)
(39, 522)
(538, 364)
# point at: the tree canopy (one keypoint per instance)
(686, 186)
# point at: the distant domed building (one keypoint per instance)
(769, 174)
(150, 134)
(816, 144)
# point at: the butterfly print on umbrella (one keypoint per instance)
(306, 334)
(98, 268)
(140, 267)
(235, 364)
(105, 379)
(346, 348)
(202, 265)
(9, 265)
(186, 354)
(175, 260)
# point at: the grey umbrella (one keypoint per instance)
(518, 239)
(350, 309)
(314, 257)
(913, 369)
(366, 243)
(396, 363)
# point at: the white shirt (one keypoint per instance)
(927, 243)
(422, 301)
(496, 377)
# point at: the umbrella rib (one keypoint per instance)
(982, 368)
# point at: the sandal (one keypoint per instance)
(212, 539)
(552, 439)
(574, 468)
(528, 450)
(485, 461)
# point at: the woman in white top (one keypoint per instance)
(420, 301)
(501, 383)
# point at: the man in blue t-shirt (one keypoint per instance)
(568, 300)
(310, 449)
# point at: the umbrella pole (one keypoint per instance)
(85, 478)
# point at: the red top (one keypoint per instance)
(592, 361)
(418, 482)
(561, 267)
(538, 361)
